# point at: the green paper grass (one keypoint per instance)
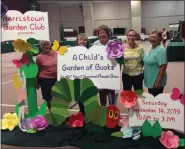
(17, 108)
(151, 131)
(31, 131)
(118, 134)
(181, 142)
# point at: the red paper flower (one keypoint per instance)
(128, 98)
(76, 120)
(169, 140)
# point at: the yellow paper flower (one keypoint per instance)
(9, 121)
(21, 46)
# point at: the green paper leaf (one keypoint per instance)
(118, 134)
(151, 131)
(181, 142)
(157, 130)
(34, 49)
(139, 92)
(146, 127)
(32, 41)
(120, 60)
(17, 108)
(42, 109)
(31, 131)
(62, 90)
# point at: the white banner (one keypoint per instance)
(169, 113)
(32, 24)
(80, 62)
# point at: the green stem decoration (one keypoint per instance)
(31, 96)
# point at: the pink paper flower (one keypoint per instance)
(169, 140)
(128, 98)
(124, 121)
(39, 122)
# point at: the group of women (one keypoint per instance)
(138, 66)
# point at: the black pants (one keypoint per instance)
(156, 91)
(81, 106)
(135, 81)
(46, 84)
(104, 94)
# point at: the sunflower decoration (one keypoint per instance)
(21, 45)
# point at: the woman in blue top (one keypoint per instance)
(155, 64)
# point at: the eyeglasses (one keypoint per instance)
(131, 35)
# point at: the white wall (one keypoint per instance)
(154, 14)
(113, 14)
(159, 14)
(54, 11)
(69, 16)
(72, 16)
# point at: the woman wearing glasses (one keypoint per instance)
(133, 63)
(155, 63)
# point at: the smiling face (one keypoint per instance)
(131, 36)
(104, 38)
(46, 46)
(155, 39)
(82, 41)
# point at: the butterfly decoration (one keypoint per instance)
(60, 49)
(176, 95)
(23, 60)
(4, 9)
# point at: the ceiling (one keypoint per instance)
(64, 3)
(69, 2)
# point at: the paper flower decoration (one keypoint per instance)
(76, 120)
(39, 122)
(21, 45)
(26, 124)
(132, 132)
(124, 121)
(9, 121)
(114, 49)
(128, 98)
(169, 140)
(4, 9)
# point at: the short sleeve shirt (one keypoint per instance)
(133, 61)
(152, 62)
(47, 65)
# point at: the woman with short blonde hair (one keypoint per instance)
(47, 75)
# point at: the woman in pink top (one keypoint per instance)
(47, 76)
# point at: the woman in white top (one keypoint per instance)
(103, 33)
